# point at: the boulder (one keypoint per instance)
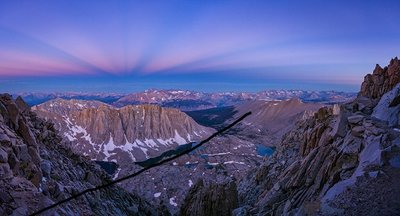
(45, 166)
(33, 152)
(355, 119)
(340, 125)
(395, 161)
(4, 139)
(5, 197)
(22, 106)
(3, 156)
(22, 210)
(5, 171)
(386, 109)
(26, 133)
(358, 131)
(22, 153)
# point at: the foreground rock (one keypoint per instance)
(36, 170)
(213, 199)
(331, 163)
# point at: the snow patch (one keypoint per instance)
(178, 139)
(116, 174)
(109, 147)
(172, 201)
(150, 143)
(156, 195)
(70, 138)
(218, 154)
(166, 142)
(234, 162)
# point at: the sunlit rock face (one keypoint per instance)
(381, 80)
(130, 133)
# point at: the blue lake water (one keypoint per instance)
(109, 167)
(264, 150)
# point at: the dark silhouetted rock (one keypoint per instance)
(211, 199)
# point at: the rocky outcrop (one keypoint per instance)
(388, 108)
(213, 199)
(381, 80)
(323, 158)
(36, 170)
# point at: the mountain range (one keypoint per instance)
(320, 154)
(192, 100)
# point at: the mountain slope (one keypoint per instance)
(271, 119)
(130, 133)
(326, 162)
(268, 122)
(37, 170)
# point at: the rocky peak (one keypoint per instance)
(381, 80)
(325, 164)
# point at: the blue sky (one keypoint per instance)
(124, 46)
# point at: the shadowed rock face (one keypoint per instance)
(336, 151)
(388, 108)
(381, 80)
(36, 170)
(130, 133)
(213, 199)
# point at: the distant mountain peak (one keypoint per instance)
(132, 132)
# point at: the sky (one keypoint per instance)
(125, 46)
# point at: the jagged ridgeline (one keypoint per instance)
(344, 160)
(36, 170)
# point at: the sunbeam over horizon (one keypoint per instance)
(333, 43)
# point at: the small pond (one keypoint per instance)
(264, 150)
(108, 166)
